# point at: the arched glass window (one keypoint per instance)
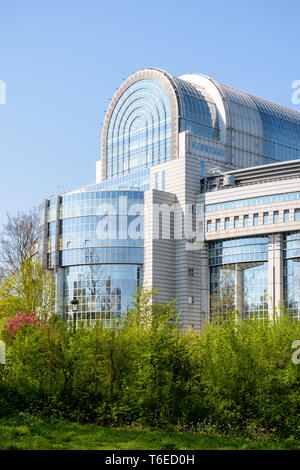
(139, 131)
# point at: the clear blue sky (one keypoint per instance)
(62, 61)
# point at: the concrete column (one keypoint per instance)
(59, 284)
(275, 274)
(238, 300)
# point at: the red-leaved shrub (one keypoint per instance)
(14, 324)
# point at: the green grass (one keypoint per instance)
(30, 433)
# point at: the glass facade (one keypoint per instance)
(238, 250)
(255, 292)
(291, 270)
(98, 239)
(139, 131)
(264, 132)
(292, 286)
(103, 291)
(253, 201)
(281, 130)
(227, 256)
(198, 113)
(222, 290)
(139, 179)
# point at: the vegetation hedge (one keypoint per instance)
(233, 377)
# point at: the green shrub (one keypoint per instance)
(230, 378)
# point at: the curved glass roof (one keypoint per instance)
(273, 122)
(139, 132)
(198, 113)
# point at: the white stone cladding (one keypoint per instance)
(167, 263)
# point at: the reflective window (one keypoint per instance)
(246, 220)
(139, 131)
(266, 217)
(238, 250)
(139, 179)
(163, 180)
(218, 224)
(227, 223)
(209, 226)
(286, 215)
(255, 219)
(255, 292)
(222, 291)
(254, 201)
(104, 292)
(297, 214)
(292, 287)
(236, 221)
(291, 245)
(275, 217)
(198, 113)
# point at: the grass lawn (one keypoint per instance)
(36, 434)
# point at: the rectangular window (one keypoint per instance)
(227, 223)
(163, 180)
(236, 221)
(190, 300)
(255, 219)
(286, 215)
(246, 221)
(156, 180)
(191, 272)
(266, 217)
(297, 214)
(275, 217)
(202, 170)
(209, 226)
(218, 224)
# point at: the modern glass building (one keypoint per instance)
(208, 152)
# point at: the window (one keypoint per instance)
(236, 221)
(255, 219)
(246, 220)
(227, 223)
(190, 300)
(163, 180)
(209, 226)
(156, 180)
(286, 215)
(191, 272)
(218, 224)
(275, 217)
(297, 214)
(202, 170)
(266, 217)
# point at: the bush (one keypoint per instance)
(234, 378)
(14, 324)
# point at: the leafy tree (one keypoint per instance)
(29, 289)
(17, 240)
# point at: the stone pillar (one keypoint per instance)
(238, 300)
(204, 281)
(59, 285)
(275, 274)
